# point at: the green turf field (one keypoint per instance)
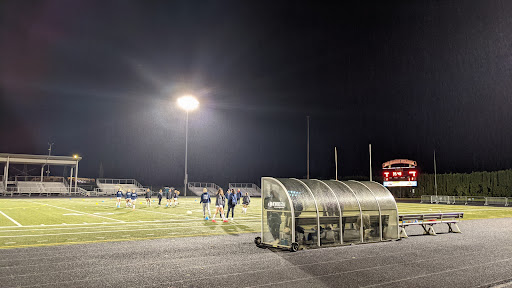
(48, 221)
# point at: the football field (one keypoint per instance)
(30, 222)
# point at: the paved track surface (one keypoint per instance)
(479, 257)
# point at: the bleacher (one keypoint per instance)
(251, 188)
(109, 187)
(34, 186)
(197, 188)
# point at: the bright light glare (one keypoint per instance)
(188, 103)
(75, 156)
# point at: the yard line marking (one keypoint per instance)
(116, 231)
(122, 226)
(13, 221)
(85, 213)
(132, 222)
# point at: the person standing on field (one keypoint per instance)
(119, 196)
(148, 197)
(169, 196)
(245, 202)
(134, 198)
(160, 197)
(232, 201)
(128, 198)
(219, 205)
(205, 201)
(238, 196)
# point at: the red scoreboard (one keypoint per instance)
(400, 173)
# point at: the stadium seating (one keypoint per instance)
(30, 187)
(197, 188)
(252, 189)
(41, 188)
(109, 187)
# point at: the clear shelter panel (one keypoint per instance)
(328, 212)
(370, 219)
(275, 213)
(351, 214)
(388, 210)
(305, 213)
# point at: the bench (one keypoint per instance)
(427, 221)
(372, 227)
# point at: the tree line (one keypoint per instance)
(491, 184)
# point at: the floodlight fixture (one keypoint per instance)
(188, 103)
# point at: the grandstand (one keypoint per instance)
(251, 188)
(38, 185)
(47, 186)
(108, 187)
(197, 188)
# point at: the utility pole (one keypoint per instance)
(370, 150)
(435, 173)
(336, 161)
(49, 154)
(308, 150)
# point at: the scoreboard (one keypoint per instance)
(405, 175)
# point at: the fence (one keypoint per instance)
(203, 185)
(38, 179)
(244, 185)
(118, 182)
(52, 191)
(113, 191)
(466, 200)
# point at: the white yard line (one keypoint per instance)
(113, 231)
(13, 221)
(124, 225)
(133, 222)
(76, 211)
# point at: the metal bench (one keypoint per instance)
(427, 221)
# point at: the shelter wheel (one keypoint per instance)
(257, 241)
(294, 247)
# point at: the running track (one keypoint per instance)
(479, 257)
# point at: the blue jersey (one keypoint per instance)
(205, 198)
(119, 194)
(128, 195)
(134, 196)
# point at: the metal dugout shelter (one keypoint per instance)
(315, 213)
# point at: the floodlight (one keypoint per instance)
(188, 103)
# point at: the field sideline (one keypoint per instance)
(31, 222)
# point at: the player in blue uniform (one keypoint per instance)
(168, 195)
(205, 201)
(128, 198)
(175, 197)
(119, 195)
(134, 198)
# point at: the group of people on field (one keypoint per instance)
(131, 197)
(231, 199)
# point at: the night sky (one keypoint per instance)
(101, 78)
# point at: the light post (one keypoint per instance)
(187, 103)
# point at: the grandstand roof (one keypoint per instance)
(38, 159)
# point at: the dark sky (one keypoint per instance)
(100, 78)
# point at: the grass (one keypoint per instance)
(51, 221)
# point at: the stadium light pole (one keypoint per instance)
(187, 103)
